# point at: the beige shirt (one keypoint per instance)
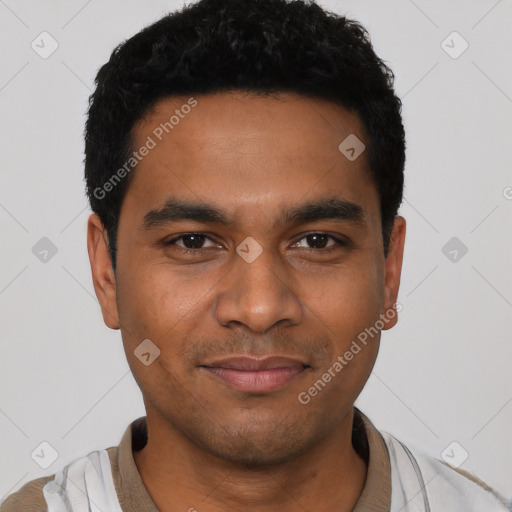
(134, 497)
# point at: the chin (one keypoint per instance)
(253, 447)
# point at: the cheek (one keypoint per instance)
(347, 308)
(159, 298)
(346, 300)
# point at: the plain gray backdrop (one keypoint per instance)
(443, 374)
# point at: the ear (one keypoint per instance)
(102, 273)
(393, 268)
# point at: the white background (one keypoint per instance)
(444, 372)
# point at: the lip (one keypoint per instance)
(256, 375)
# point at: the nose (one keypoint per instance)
(258, 295)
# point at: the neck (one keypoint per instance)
(181, 476)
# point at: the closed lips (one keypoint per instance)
(251, 364)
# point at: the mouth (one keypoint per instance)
(256, 375)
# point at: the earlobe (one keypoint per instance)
(393, 270)
(103, 277)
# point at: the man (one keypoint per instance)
(244, 162)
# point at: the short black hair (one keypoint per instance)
(259, 46)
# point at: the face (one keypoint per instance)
(245, 235)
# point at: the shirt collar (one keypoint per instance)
(368, 442)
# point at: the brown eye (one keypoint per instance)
(191, 242)
(319, 241)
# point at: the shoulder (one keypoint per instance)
(30, 497)
(421, 477)
(27, 499)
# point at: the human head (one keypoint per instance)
(243, 158)
(261, 46)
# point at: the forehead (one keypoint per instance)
(252, 154)
(246, 114)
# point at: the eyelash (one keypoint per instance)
(339, 243)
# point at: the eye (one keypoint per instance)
(319, 241)
(192, 242)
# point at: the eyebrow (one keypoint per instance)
(330, 208)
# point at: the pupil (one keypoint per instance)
(324, 237)
(195, 239)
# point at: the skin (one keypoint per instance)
(211, 447)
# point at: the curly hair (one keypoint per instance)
(259, 46)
